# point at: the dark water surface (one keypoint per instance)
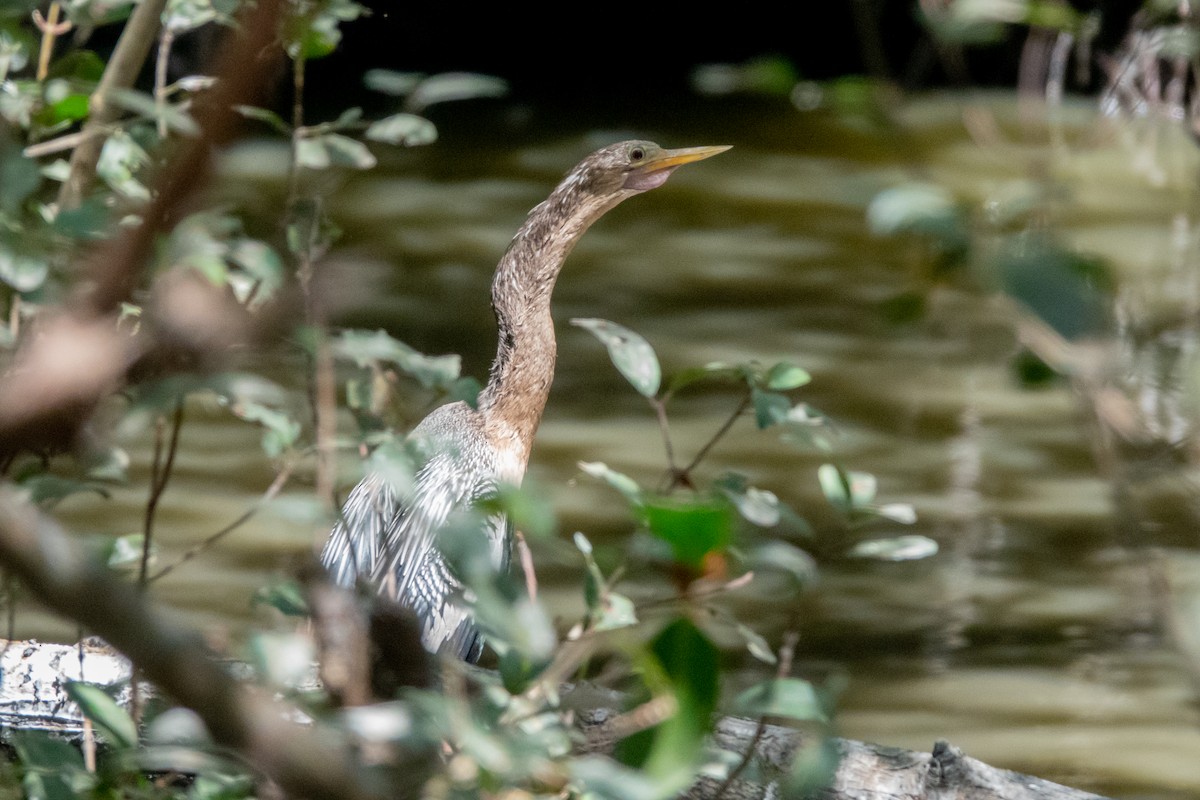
(1040, 636)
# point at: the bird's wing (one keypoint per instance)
(353, 548)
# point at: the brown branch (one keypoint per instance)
(132, 48)
(309, 761)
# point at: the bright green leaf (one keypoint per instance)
(693, 527)
(783, 377)
(113, 722)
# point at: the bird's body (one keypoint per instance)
(393, 542)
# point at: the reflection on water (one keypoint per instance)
(1036, 638)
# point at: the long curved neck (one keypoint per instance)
(515, 396)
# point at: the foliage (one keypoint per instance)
(709, 537)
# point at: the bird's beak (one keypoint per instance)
(669, 159)
(654, 171)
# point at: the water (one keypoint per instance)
(1043, 635)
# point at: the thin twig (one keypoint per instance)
(165, 40)
(787, 652)
(526, 558)
(276, 486)
(50, 31)
(160, 475)
(683, 474)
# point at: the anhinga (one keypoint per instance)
(392, 541)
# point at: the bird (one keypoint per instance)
(392, 541)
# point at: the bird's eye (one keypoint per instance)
(637, 154)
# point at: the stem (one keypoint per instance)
(787, 652)
(664, 427)
(680, 476)
(280, 480)
(165, 40)
(50, 32)
(132, 49)
(160, 475)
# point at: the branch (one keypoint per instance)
(311, 761)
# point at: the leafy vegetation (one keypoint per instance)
(207, 289)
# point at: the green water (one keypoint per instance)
(1040, 637)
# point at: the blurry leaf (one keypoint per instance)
(813, 768)
(47, 490)
(756, 644)
(121, 159)
(921, 207)
(1064, 289)
(903, 513)
(782, 697)
(691, 663)
(784, 376)
(769, 75)
(758, 506)
(846, 491)
(617, 480)
(280, 431)
(125, 553)
(22, 273)
(264, 272)
(333, 150)
(144, 105)
(630, 353)
(403, 129)
(786, 558)
(910, 547)
(283, 659)
(604, 779)
(614, 611)
(526, 510)
(770, 408)
(82, 65)
(88, 220)
(286, 597)
(19, 178)
(693, 527)
(113, 722)
(178, 726)
(106, 464)
(364, 347)
(1032, 371)
(265, 115)
(391, 82)
(450, 86)
(716, 370)
(51, 768)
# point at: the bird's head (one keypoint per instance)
(635, 166)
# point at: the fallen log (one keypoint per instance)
(33, 697)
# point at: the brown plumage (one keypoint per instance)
(391, 540)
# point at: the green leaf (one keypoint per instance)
(846, 491)
(910, 547)
(693, 527)
(757, 506)
(286, 597)
(717, 371)
(451, 86)
(47, 490)
(630, 353)
(782, 697)
(614, 611)
(113, 722)
(604, 779)
(624, 484)
(403, 129)
(144, 105)
(20, 177)
(756, 644)
(784, 376)
(916, 206)
(52, 769)
(770, 408)
(690, 662)
(1066, 290)
(280, 431)
(782, 557)
(333, 150)
(391, 82)
(21, 272)
(365, 348)
(263, 272)
(265, 115)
